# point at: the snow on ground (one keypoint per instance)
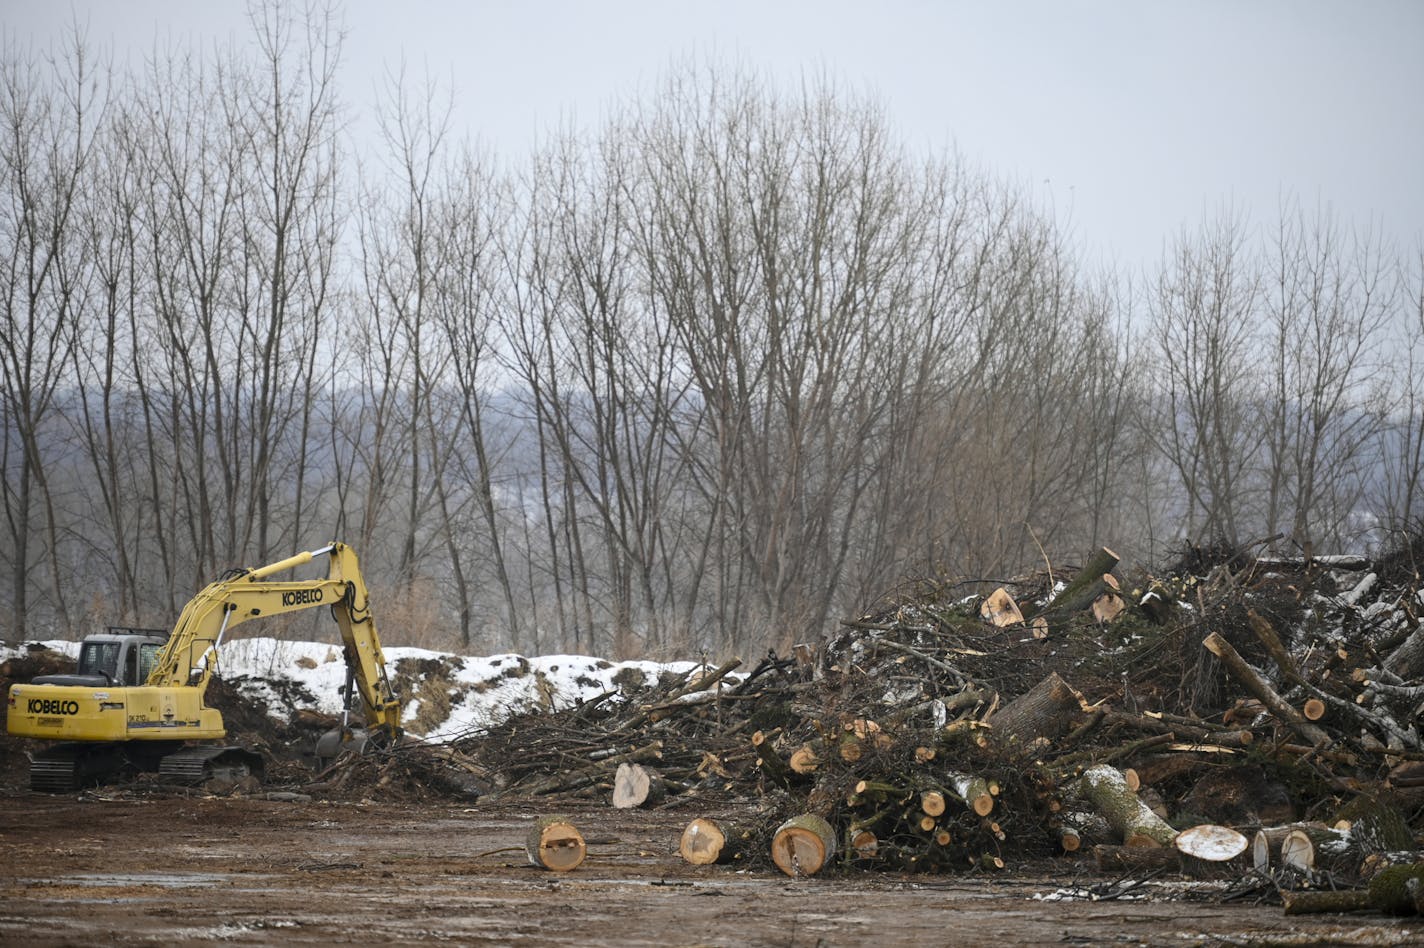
(445, 695)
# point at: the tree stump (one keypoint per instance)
(554, 843)
(803, 845)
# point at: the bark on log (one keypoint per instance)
(635, 785)
(1407, 661)
(1082, 590)
(1389, 891)
(1134, 858)
(1044, 711)
(803, 845)
(555, 843)
(1105, 788)
(1252, 681)
(1267, 634)
(863, 843)
(974, 791)
(1303, 844)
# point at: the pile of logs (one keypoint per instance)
(1249, 712)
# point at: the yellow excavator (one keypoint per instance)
(136, 699)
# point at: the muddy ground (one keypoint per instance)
(115, 867)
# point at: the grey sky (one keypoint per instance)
(1130, 118)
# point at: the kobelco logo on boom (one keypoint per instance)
(301, 597)
(52, 706)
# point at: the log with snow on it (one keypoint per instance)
(1106, 788)
(1210, 842)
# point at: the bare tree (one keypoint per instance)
(1331, 295)
(48, 119)
(1404, 438)
(1207, 296)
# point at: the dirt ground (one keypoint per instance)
(115, 868)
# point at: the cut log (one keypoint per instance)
(1083, 589)
(1252, 681)
(706, 841)
(1313, 709)
(932, 802)
(863, 843)
(1211, 843)
(1044, 711)
(1105, 787)
(974, 791)
(803, 845)
(1260, 852)
(1269, 638)
(851, 748)
(1134, 858)
(555, 843)
(999, 608)
(804, 760)
(1108, 606)
(1389, 891)
(1303, 845)
(635, 785)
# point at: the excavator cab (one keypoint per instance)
(116, 657)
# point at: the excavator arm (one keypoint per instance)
(188, 658)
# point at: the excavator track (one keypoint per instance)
(197, 765)
(70, 766)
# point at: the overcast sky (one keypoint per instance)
(1129, 118)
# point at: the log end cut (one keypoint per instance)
(703, 842)
(555, 844)
(803, 845)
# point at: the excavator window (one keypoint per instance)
(147, 658)
(100, 658)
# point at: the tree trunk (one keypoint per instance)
(974, 791)
(1044, 711)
